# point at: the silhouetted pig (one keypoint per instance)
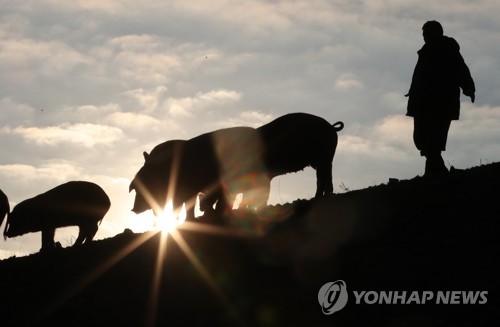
(291, 143)
(213, 163)
(4, 206)
(298, 140)
(152, 181)
(76, 203)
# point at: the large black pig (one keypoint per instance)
(298, 140)
(218, 162)
(291, 143)
(75, 203)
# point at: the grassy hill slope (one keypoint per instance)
(415, 235)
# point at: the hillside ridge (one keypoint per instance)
(416, 234)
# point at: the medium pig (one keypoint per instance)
(75, 203)
(218, 162)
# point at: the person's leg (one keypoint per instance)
(437, 136)
(441, 133)
(420, 134)
(421, 127)
(434, 165)
(430, 137)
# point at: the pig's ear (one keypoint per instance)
(146, 156)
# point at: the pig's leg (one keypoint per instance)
(48, 239)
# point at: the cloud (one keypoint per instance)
(347, 82)
(133, 121)
(218, 96)
(251, 15)
(391, 136)
(145, 59)
(369, 155)
(475, 136)
(185, 107)
(246, 118)
(110, 6)
(24, 60)
(59, 170)
(87, 135)
(12, 112)
(81, 114)
(483, 121)
(148, 100)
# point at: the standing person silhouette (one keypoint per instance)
(434, 96)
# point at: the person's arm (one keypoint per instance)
(465, 79)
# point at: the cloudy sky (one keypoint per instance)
(86, 86)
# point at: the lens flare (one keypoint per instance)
(168, 219)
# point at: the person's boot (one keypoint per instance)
(440, 166)
(434, 166)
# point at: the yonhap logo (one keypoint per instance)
(332, 296)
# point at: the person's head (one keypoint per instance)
(432, 30)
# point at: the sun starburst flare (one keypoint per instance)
(169, 219)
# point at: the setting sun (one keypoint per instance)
(167, 220)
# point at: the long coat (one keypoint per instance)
(439, 74)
